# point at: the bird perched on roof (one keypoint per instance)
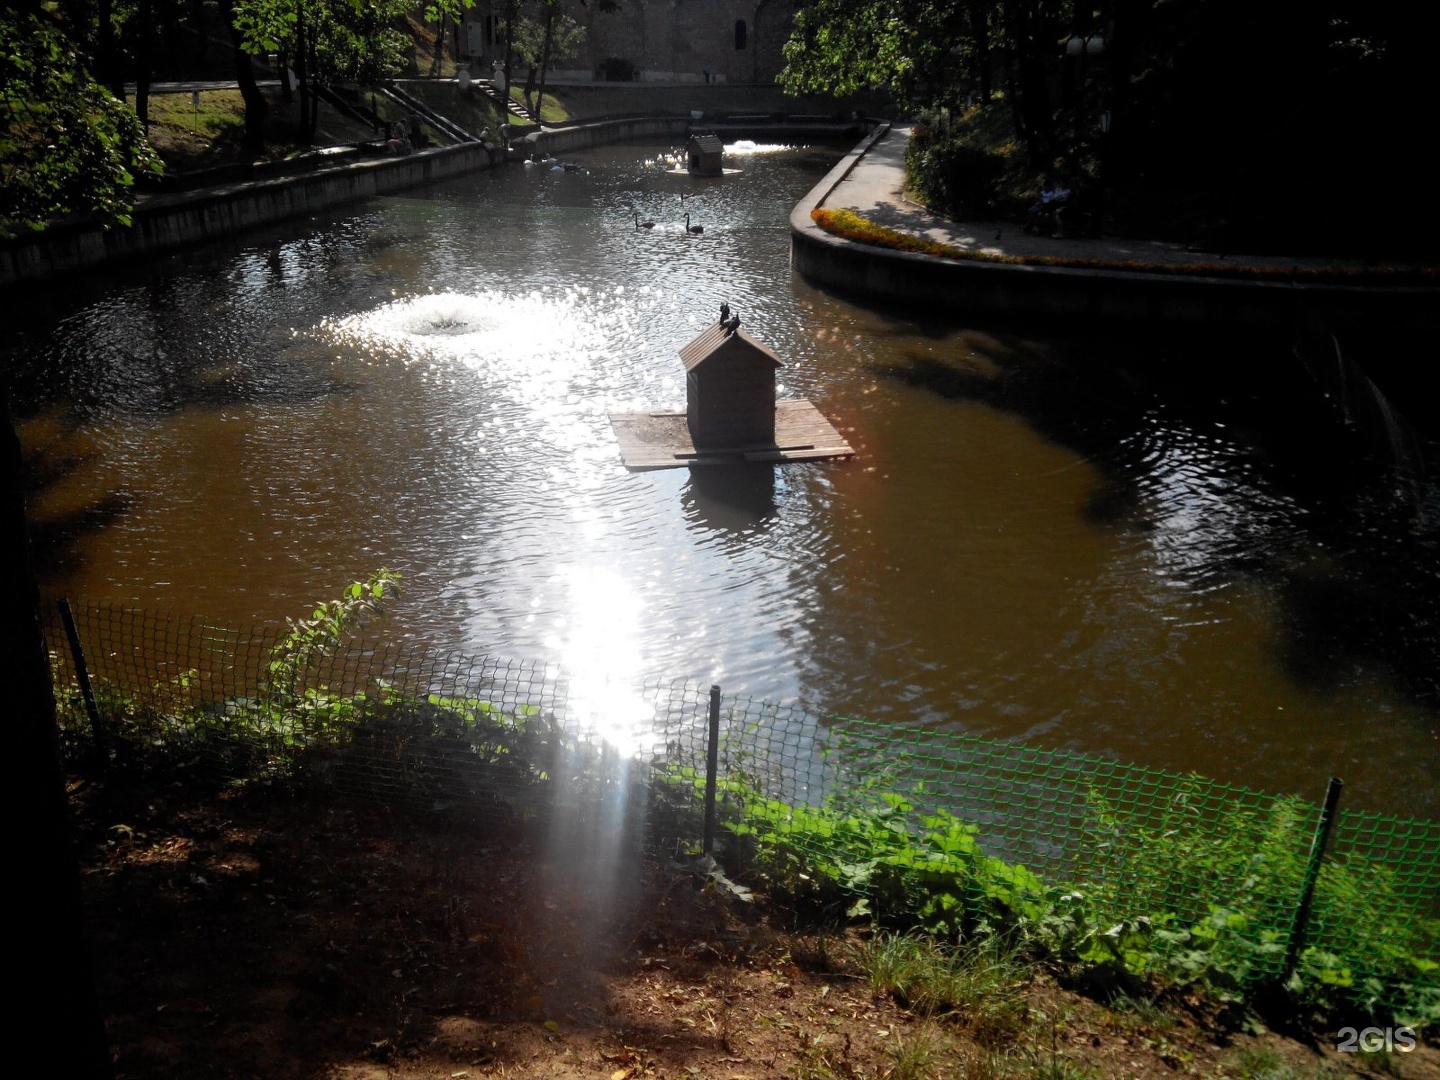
(732, 324)
(724, 311)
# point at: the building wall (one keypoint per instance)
(669, 40)
(730, 401)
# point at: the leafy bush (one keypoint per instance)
(1197, 891)
(963, 166)
(1221, 892)
(1182, 900)
(951, 177)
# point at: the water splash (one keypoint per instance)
(750, 148)
(1368, 411)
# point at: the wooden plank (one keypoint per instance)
(661, 440)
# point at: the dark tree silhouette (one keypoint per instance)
(52, 975)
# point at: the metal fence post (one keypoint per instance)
(82, 676)
(1312, 874)
(712, 766)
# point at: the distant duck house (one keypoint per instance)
(703, 155)
(731, 414)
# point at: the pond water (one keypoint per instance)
(1166, 549)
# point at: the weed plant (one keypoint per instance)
(1181, 900)
(1163, 899)
(980, 987)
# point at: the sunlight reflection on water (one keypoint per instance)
(1028, 546)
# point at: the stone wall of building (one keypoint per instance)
(668, 40)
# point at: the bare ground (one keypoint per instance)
(254, 934)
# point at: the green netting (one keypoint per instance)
(878, 810)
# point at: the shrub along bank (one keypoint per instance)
(879, 848)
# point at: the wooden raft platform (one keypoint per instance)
(661, 440)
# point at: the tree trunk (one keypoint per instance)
(282, 61)
(255, 106)
(980, 30)
(55, 973)
(545, 56)
(511, 12)
(302, 73)
(144, 62)
(1031, 73)
(112, 73)
(202, 39)
(170, 20)
(1127, 27)
(439, 52)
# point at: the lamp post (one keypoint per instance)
(1077, 47)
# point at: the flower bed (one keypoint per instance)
(852, 226)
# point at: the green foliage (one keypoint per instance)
(1183, 898)
(954, 166)
(871, 851)
(340, 40)
(1198, 889)
(67, 146)
(921, 1054)
(329, 625)
(1209, 900)
(848, 46)
(425, 750)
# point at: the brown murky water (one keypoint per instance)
(1130, 546)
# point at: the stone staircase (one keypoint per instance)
(505, 101)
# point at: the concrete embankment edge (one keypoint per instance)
(555, 141)
(1072, 295)
(169, 222)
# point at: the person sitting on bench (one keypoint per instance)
(1046, 213)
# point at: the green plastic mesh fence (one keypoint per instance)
(897, 815)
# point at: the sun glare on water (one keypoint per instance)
(597, 641)
(539, 372)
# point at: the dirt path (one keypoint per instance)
(255, 935)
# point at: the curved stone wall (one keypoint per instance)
(1070, 294)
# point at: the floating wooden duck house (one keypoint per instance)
(731, 414)
(703, 155)
(729, 387)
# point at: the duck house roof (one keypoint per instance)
(720, 340)
(707, 143)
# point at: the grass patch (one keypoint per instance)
(923, 1055)
(1264, 1063)
(209, 114)
(980, 988)
(190, 136)
(469, 108)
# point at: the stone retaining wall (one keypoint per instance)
(1069, 295)
(582, 136)
(171, 221)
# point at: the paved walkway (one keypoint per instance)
(873, 189)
